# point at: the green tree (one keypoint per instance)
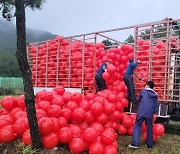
(158, 32)
(9, 65)
(7, 7)
(107, 44)
(130, 39)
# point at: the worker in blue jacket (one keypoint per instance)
(128, 80)
(148, 106)
(100, 82)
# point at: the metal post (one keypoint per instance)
(57, 63)
(135, 42)
(95, 41)
(167, 63)
(151, 51)
(69, 68)
(46, 81)
(36, 73)
(135, 46)
(83, 48)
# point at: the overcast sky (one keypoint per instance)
(72, 17)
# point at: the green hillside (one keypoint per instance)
(8, 62)
(8, 36)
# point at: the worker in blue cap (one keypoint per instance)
(148, 106)
(128, 80)
(100, 82)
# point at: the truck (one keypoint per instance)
(72, 61)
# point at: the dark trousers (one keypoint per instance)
(100, 83)
(137, 131)
(128, 80)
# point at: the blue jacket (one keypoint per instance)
(131, 67)
(148, 103)
(101, 69)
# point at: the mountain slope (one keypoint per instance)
(8, 36)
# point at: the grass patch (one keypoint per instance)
(167, 144)
(26, 149)
(1, 97)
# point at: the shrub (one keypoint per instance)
(7, 91)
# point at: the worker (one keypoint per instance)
(147, 108)
(100, 82)
(128, 80)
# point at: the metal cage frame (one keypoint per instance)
(171, 88)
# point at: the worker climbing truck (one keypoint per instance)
(72, 61)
